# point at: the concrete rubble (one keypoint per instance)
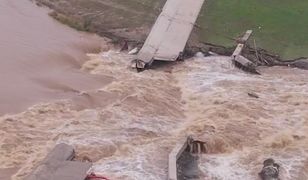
(59, 165)
(170, 33)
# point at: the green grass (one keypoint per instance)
(280, 26)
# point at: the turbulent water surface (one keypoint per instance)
(128, 126)
(40, 58)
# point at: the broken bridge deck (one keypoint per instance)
(170, 32)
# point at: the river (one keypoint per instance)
(126, 122)
(40, 58)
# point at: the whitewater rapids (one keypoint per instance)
(141, 116)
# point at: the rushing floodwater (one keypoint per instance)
(40, 58)
(128, 125)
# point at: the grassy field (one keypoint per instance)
(280, 26)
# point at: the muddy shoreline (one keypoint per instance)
(121, 29)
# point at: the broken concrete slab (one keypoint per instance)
(238, 50)
(58, 165)
(239, 60)
(56, 170)
(173, 157)
(243, 61)
(183, 160)
(245, 38)
(170, 33)
(241, 44)
(62, 152)
(188, 167)
(244, 64)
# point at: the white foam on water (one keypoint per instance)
(224, 167)
(131, 137)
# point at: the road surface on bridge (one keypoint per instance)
(170, 32)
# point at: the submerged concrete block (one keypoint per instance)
(58, 166)
(61, 170)
(183, 163)
(62, 152)
(173, 157)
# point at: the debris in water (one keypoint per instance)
(59, 165)
(196, 146)
(270, 170)
(240, 61)
(199, 55)
(133, 51)
(94, 176)
(183, 160)
(254, 95)
(170, 33)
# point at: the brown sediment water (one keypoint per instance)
(130, 134)
(241, 130)
(6, 173)
(129, 126)
(40, 59)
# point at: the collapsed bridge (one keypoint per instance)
(170, 33)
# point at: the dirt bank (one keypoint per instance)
(114, 19)
(131, 21)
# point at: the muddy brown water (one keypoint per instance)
(6, 173)
(40, 59)
(130, 125)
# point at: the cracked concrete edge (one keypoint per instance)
(58, 165)
(173, 157)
